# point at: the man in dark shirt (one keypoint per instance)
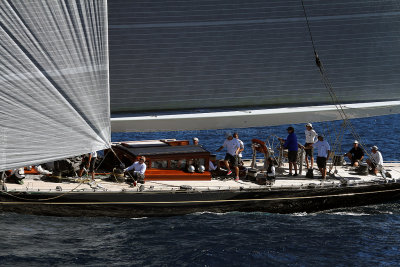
(356, 154)
(291, 144)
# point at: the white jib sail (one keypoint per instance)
(54, 84)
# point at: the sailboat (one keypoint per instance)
(66, 67)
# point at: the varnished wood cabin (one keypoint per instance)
(166, 160)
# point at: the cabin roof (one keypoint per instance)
(164, 150)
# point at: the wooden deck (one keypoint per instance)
(35, 183)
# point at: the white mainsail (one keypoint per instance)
(54, 85)
(193, 56)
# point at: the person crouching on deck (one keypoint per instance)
(375, 162)
(291, 144)
(232, 146)
(356, 154)
(323, 153)
(271, 169)
(137, 170)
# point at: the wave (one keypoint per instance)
(139, 218)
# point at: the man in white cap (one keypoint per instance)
(232, 147)
(375, 161)
(195, 141)
(356, 154)
(311, 138)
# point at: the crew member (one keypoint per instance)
(323, 153)
(311, 138)
(195, 141)
(232, 146)
(356, 154)
(291, 144)
(375, 162)
(88, 161)
(137, 170)
(270, 169)
(236, 135)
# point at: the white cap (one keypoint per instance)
(355, 142)
(309, 124)
(227, 134)
(195, 139)
(374, 148)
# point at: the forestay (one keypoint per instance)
(54, 85)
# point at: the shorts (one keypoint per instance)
(374, 167)
(234, 160)
(309, 151)
(321, 162)
(136, 176)
(292, 156)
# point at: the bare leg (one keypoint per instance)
(312, 162)
(290, 167)
(295, 167)
(307, 162)
(350, 157)
(237, 172)
(227, 165)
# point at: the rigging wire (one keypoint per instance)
(328, 85)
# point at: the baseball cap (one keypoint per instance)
(309, 125)
(195, 139)
(374, 147)
(355, 142)
(290, 128)
(227, 134)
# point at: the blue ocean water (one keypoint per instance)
(360, 236)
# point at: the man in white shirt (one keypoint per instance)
(323, 153)
(375, 161)
(232, 146)
(236, 135)
(311, 138)
(137, 170)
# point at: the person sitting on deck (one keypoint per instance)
(270, 169)
(291, 144)
(311, 138)
(323, 153)
(232, 146)
(356, 154)
(375, 162)
(213, 164)
(88, 161)
(137, 170)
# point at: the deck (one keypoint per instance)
(35, 183)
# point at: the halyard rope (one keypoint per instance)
(328, 86)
